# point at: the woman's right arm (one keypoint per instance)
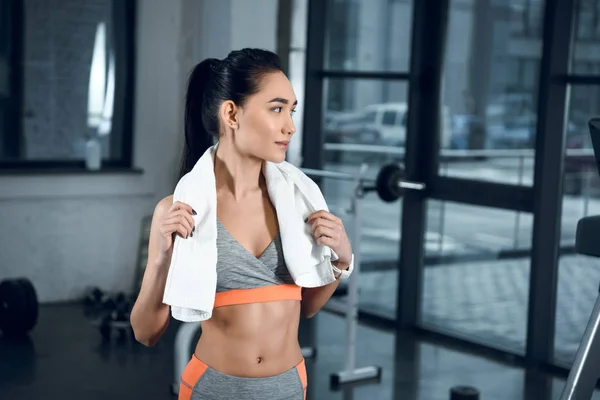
(150, 316)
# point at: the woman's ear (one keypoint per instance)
(229, 114)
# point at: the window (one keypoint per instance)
(587, 19)
(490, 91)
(389, 118)
(526, 17)
(70, 74)
(371, 117)
(368, 35)
(475, 284)
(578, 274)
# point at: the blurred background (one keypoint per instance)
(474, 281)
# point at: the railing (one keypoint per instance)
(580, 171)
(449, 153)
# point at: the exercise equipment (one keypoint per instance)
(93, 297)
(19, 307)
(118, 319)
(585, 371)
(97, 303)
(186, 335)
(109, 312)
(390, 185)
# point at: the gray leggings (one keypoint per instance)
(201, 382)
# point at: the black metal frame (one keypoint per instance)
(421, 161)
(548, 177)
(313, 109)
(378, 75)
(543, 200)
(124, 17)
(13, 105)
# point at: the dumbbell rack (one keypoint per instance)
(585, 371)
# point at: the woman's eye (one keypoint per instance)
(277, 109)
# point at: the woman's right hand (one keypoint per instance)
(178, 220)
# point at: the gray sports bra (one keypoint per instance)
(237, 268)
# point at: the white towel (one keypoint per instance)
(192, 279)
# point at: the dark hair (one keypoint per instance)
(211, 83)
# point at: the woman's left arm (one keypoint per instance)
(329, 231)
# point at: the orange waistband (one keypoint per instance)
(258, 295)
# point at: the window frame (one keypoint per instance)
(124, 21)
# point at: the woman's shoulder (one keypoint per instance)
(163, 205)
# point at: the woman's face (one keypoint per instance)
(263, 127)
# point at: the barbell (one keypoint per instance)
(390, 183)
(19, 307)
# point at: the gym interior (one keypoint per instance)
(455, 138)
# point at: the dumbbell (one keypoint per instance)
(93, 300)
(116, 317)
(19, 307)
(122, 308)
(390, 183)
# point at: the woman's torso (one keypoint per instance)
(258, 338)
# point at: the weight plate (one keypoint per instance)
(13, 304)
(30, 316)
(387, 182)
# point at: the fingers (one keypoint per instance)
(323, 223)
(326, 231)
(327, 241)
(182, 206)
(184, 215)
(326, 228)
(175, 228)
(326, 220)
(179, 219)
(186, 221)
(325, 215)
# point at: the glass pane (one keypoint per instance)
(587, 38)
(491, 70)
(476, 278)
(585, 29)
(69, 77)
(578, 276)
(368, 35)
(356, 132)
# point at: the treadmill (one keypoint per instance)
(585, 371)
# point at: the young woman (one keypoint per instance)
(248, 350)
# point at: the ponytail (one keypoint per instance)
(211, 83)
(198, 132)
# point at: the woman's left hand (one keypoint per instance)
(329, 231)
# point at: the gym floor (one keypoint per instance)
(64, 358)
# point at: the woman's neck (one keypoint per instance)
(237, 173)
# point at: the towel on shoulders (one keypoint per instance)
(192, 278)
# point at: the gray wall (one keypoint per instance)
(66, 232)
